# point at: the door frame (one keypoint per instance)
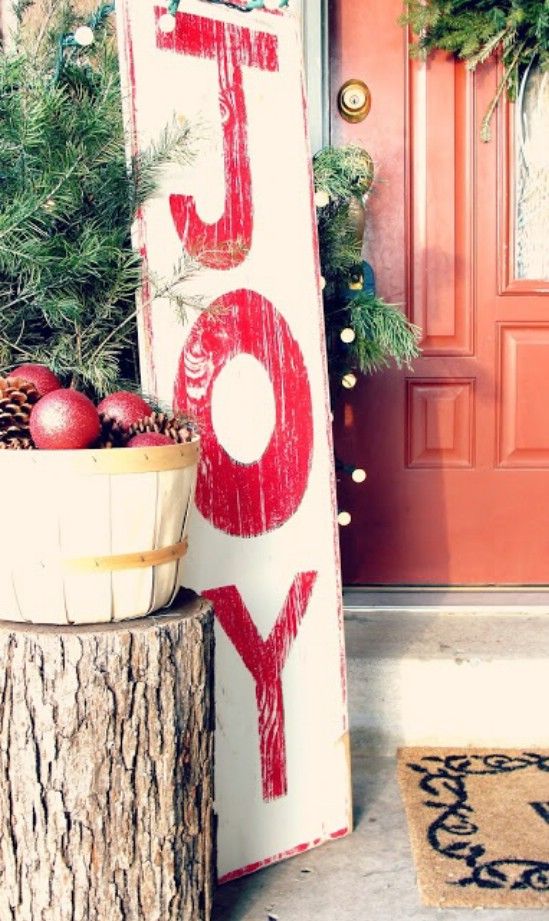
(316, 60)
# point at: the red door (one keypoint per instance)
(457, 452)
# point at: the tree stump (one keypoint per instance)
(106, 769)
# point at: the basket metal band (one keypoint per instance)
(121, 561)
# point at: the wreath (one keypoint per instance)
(516, 30)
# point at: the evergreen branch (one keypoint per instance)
(516, 29)
(68, 272)
(175, 144)
(382, 333)
(33, 207)
(484, 53)
(343, 172)
(114, 333)
(485, 132)
(14, 347)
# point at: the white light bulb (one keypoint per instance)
(322, 282)
(84, 36)
(321, 199)
(347, 335)
(344, 519)
(349, 380)
(358, 475)
(166, 23)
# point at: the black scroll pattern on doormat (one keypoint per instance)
(454, 833)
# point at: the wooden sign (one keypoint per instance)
(263, 543)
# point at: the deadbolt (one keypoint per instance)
(354, 101)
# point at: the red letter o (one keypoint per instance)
(237, 498)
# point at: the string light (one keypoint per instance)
(321, 199)
(357, 474)
(322, 282)
(347, 335)
(349, 380)
(84, 36)
(344, 519)
(166, 23)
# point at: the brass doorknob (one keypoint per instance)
(354, 100)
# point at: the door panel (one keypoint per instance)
(456, 451)
(441, 236)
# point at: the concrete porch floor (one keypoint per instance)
(489, 665)
(368, 876)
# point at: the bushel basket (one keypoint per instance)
(93, 535)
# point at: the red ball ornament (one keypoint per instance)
(124, 407)
(64, 419)
(149, 440)
(43, 379)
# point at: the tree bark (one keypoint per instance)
(106, 769)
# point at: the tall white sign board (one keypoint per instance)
(263, 544)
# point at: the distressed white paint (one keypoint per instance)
(243, 408)
(282, 267)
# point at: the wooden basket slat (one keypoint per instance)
(9, 603)
(34, 531)
(190, 476)
(133, 518)
(40, 594)
(84, 528)
(173, 488)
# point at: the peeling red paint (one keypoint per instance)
(249, 499)
(226, 243)
(283, 855)
(265, 660)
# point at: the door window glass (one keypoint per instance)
(532, 176)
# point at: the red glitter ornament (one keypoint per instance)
(64, 419)
(43, 379)
(149, 440)
(124, 407)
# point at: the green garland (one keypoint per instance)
(382, 333)
(518, 30)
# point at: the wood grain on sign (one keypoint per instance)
(263, 543)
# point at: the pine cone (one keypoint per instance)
(179, 428)
(17, 398)
(113, 434)
(17, 444)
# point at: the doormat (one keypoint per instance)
(478, 821)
